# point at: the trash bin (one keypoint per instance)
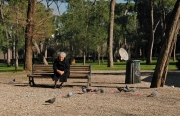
(133, 74)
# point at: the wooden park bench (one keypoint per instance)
(46, 71)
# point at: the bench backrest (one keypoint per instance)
(48, 69)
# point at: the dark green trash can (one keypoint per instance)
(133, 74)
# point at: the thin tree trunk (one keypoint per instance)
(174, 52)
(160, 73)
(4, 57)
(99, 58)
(45, 52)
(8, 58)
(84, 56)
(151, 40)
(29, 35)
(13, 51)
(110, 34)
(40, 53)
(16, 41)
(16, 55)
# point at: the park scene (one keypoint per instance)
(89, 57)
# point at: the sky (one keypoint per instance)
(63, 6)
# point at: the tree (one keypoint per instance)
(16, 21)
(153, 29)
(160, 73)
(43, 30)
(110, 34)
(83, 27)
(5, 31)
(29, 34)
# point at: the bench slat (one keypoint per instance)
(49, 76)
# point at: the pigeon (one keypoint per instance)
(89, 90)
(69, 94)
(84, 89)
(51, 101)
(101, 91)
(126, 90)
(154, 93)
(96, 90)
(120, 89)
(127, 87)
(133, 89)
(12, 81)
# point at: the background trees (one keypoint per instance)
(82, 31)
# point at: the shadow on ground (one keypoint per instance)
(172, 79)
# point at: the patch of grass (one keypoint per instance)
(5, 68)
(103, 66)
(122, 65)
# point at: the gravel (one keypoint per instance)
(19, 99)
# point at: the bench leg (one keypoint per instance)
(31, 81)
(89, 82)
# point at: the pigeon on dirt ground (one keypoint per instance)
(120, 89)
(51, 101)
(101, 91)
(84, 89)
(154, 93)
(12, 81)
(133, 89)
(126, 90)
(96, 90)
(127, 87)
(69, 94)
(89, 90)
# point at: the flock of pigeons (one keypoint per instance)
(128, 89)
(85, 90)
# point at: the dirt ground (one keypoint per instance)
(19, 99)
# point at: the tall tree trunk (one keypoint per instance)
(84, 57)
(99, 58)
(160, 73)
(174, 52)
(8, 58)
(151, 40)
(110, 34)
(16, 54)
(13, 51)
(29, 35)
(16, 41)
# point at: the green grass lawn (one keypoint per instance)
(117, 66)
(122, 65)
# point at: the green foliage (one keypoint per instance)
(14, 23)
(84, 26)
(43, 22)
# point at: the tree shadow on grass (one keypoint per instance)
(172, 79)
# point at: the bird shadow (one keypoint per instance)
(21, 84)
(46, 104)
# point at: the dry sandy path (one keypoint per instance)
(19, 99)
